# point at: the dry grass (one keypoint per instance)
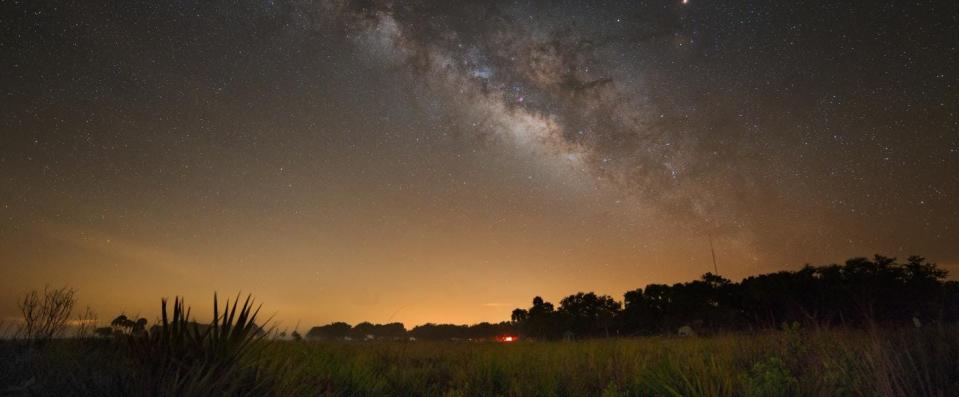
(792, 362)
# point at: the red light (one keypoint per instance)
(507, 338)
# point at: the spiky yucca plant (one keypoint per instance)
(180, 340)
(232, 336)
(184, 357)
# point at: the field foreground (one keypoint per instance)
(791, 362)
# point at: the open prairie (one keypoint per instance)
(789, 362)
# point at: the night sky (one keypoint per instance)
(446, 161)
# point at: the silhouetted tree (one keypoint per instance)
(103, 332)
(45, 313)
(519, 316)
(588, 314)
(391, 330)
(440, 331)
(122, 325)
(859, 292)
(337, 330)
(363, 330)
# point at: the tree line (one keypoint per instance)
(861, 292)
(429, 331)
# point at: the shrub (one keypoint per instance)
(770, 378)
(45, 313)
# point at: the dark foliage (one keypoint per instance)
(859, 293)
(396, 331)
(180, 356)
(330, 331)
(465, 332)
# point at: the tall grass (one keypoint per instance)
(901, 362)
(789, 362)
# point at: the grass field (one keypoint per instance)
(791, 362)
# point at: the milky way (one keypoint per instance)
(537, 84)
(441, 160)
(576, 93)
